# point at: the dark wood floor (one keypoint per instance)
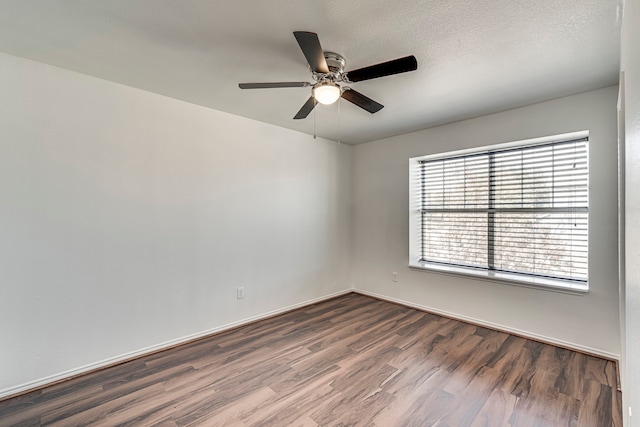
(349, 361)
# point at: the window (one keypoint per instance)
(517, 213)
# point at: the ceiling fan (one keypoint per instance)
(327, 70)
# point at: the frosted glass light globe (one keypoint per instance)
(326, 93)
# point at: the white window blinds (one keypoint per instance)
(520, 210)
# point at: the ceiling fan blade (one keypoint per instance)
(396, 66)
(312, 50)
(361, 101)
(272, 85)
(306, 108)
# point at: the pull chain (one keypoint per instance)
(314, 118)
(339, 123)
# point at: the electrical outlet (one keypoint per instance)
(394, 276)
(240, 292)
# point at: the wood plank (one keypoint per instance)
(352, 360)
(496, 411)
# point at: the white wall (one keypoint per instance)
(128, 219)
(381, 230)
(630, 67)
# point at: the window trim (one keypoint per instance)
(530, 281)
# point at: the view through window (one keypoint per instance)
(518, 210)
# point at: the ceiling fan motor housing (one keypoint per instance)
(336, 64)
(335, 61)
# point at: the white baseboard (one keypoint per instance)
(503, 328)
(33, 385)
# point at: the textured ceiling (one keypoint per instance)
(474, 57)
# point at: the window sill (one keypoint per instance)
(506, 278)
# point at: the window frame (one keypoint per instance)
(519, 279)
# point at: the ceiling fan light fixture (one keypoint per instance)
(327, 70)
(326, 93)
